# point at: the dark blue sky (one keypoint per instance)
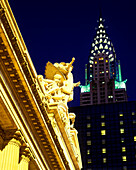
(56, 31)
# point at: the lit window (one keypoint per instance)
(88, 142)
(103, 124)
(101, 25)
(95, 48)
(106, 71)
(104, 160)
(106, 46)
(103, 150)
(88, 117)
(134, 138)
(106, 61)
(124, 167)
(110, 96)
(101, 58)
(103, 141)
(89, 161)
(105, 41)
(122, 140)
(93, 44)
(88, 125)
(111, 59)
(121, 122)
(88, 133)
(103, 132)
(101, 46)
(110, 55)
(88, 151)
(121, 130)
(108, 42)
(123, 149)
(102, 116)
(91, 62)
(95, 62)
(124, 158)
(133, 113)
(134, 121)
(121, 114)
(100, 41)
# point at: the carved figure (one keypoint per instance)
(55, 91)
(72, 118)
(61, 86)
(69, 84)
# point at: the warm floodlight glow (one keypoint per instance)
(121, 130)
(88, 142)
(123, 149)
(124, 158)
(103, 150)
(103, 132)
(104, 160)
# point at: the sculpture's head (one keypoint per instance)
(58, 79)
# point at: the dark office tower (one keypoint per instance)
(107, 135)
(103, 80)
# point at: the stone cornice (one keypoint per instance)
(25, 99)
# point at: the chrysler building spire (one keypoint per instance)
(103, 72)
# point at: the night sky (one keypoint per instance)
(56, 31)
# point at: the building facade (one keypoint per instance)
(107, 135)
(103, 79)
(35, 128)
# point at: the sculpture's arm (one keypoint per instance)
(58, 97)
(53, 90)
(76, 84)
(48, 81)
(70, 64)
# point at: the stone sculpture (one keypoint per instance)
(56, 90)
(58, 84)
